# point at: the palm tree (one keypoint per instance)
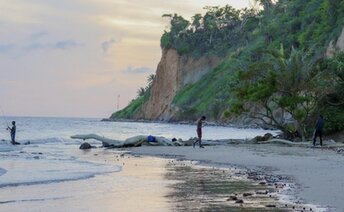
(280, 82)
(141, 92)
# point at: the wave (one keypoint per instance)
(6, 146)
(52, 172)
(29, 183)
(45, 164)
(33, 200)
(2, 171)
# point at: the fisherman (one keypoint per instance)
(199, 123)
(13, 133)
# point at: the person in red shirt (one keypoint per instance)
(199, 123)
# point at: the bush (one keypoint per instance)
(130, 110)
(334, 117)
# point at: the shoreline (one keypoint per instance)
(209, 123)
(291, 165)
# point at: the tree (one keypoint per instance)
(141, 92)
(333, 80)
(150, 80)
(196, 21)
(279, 83)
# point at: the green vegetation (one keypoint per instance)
(218, 32)
(135, 105)
(279, 82)
(131, 109)
(273, 63)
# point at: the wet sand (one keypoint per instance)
(140, 186)
(183, 185)
(316, 173)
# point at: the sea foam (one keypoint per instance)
(21, 172)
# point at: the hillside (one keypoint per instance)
(280, 64)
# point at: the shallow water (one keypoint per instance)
(51, 169)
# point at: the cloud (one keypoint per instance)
(64, 45)
(67, 44)
(38, 35)
(4, 48)
(139, 70)
(106, 45)
(34, 46)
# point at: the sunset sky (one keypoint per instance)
(72, 58)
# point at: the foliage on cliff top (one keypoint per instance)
(305, 26)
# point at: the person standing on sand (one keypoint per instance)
(13, 133)
(318, 129)
(199, 123)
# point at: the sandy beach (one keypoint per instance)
(316, 172)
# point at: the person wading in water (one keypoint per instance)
(13, 133)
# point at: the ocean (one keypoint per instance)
(51, 169)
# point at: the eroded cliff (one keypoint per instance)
(173, 73)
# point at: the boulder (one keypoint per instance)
(247, 194)
(259, 139)
(85, 145)
(239, 201)
(233, 198)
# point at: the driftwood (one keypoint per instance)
(130, 142)
(143, 140)
(106, 141)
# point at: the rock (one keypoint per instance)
(247, 194)
(262, 192)
(85, 145)
(234, 198)
(268, 136)
(270, 206)
(258, 139)
(340, 150)
(239, 201)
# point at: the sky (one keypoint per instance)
(82, 58)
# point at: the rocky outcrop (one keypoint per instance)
(173, 73)
(340, 41)
(333, 47)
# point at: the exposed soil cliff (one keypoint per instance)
(340, 41)
(173, 73)
(331, 49)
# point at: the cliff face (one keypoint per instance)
(340, 41)
(173, 73)
(332, 47)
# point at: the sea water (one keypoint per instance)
(52, 159)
